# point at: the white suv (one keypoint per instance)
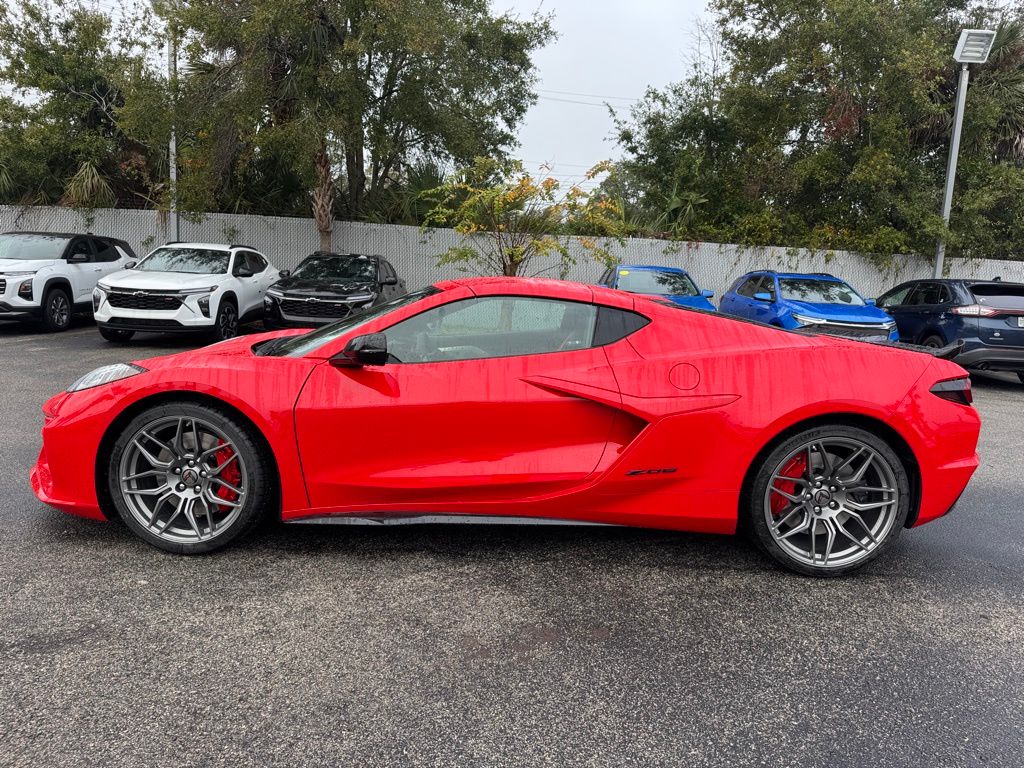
(47, 276)
(184, 287)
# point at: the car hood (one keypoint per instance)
(839, 312)
(133, 279)
(239, 345)
(26, 265)
(339, 289)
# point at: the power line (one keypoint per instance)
(590, 95)
(574, 101)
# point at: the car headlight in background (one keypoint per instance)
(204, 305)
(25, 290)
(807, 320)
(106, 375)
(98, 295)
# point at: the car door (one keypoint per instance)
(82, 270)
(386, 274)
(250, 274)
(478, 403)
(894, 302)
(108, 258)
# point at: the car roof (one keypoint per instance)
(524, 286)
(652, 268)
(55, 234)
(333, 255)
(796, 275)
(205, 246)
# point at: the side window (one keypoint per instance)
(492, 326)
(897, 297)
(749, 287)
(614, 324)
(606, 278)
(80, 247)
(252, 261)
(767, 286)
(945, 295)
(105, 250)
(389, 271)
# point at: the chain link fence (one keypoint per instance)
(414, 252)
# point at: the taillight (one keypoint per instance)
(954, 390)
(974, 310)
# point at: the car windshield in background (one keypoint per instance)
(656, 283)
(297, 346)
(819, 291)
(337, 268)
(190, 261)
(999, 295)
(32, 247)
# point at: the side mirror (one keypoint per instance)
(369, 349)
(285, 273)
(389, 281)
(707, 294)
(870, 302)
(130, 265)
(78, 258)
(244, 272)
(763, 296)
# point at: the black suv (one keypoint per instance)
(986, 315)
(329, 286)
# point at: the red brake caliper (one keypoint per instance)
(796, 467)
(230, 474)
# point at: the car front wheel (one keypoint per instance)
(189, 478)
(57, 310)
(226, 324)
(116, 335)
(829, 500)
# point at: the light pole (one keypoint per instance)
(973, 47)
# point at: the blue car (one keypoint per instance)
(818, 302)
(986, 315)
(672, 283)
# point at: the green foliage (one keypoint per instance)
(825, 124)
(511, 218)
(69, 69)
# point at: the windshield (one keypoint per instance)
(337, 268)
(819, 291)
(296, 346)
(656, 282)
(32, 247)
(191, 261)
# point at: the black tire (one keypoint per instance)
(257, 475)
(755, 501)
(225, 325)
(1020, 375)
(57, 310)
(116, 335)
(933, 341)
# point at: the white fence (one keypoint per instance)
(414, 252)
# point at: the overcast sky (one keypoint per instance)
(607, 50)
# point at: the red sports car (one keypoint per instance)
(505, 399)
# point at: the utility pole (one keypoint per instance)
(172, 148)
(954, 151)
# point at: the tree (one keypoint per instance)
(519, 219)
(348, 95)
(60, 140)
(814, 133)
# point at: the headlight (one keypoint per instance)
(275, 294)
(191, 291)
(807, 320)
(889, 325)
(359, 298)
(22, 273)
(97, 298)
(25, 290)
(204, 305)
(106, 375)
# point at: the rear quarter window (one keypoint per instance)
(1000, 295)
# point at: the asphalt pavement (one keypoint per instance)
(498, 646)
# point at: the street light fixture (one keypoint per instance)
(973, 47)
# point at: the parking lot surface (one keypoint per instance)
(498, 646)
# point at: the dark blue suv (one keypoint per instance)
(986, 315)
(818, 302)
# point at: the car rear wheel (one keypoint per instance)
(1020, 375)
(188, 478)
(116, 335)
(56, 310)
(933, 341)
(829, 500)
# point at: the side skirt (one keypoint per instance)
(435, 519)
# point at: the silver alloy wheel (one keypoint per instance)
(182, 479)
(831, 502)
(60, 310)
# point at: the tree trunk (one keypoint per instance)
(323, 197)
(356, 170)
